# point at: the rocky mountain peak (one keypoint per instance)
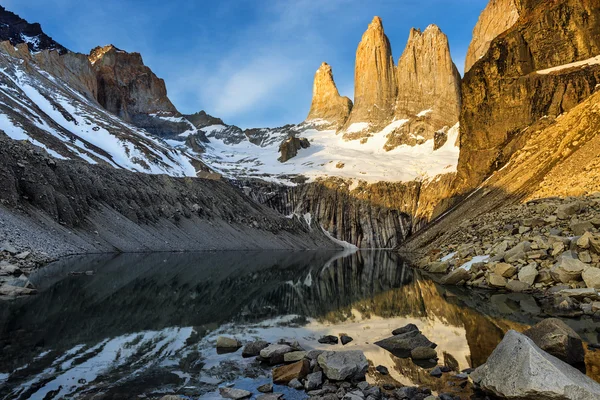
(374, 83)
(428, 88)
(16, 30)
(328, 107)
(497, 17)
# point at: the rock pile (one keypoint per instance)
(15, 267)
(549, 245)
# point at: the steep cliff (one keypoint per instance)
(526, 74)
(129, 89)
(428, 88)
(374, 84)
(497, 17)
(328, 110)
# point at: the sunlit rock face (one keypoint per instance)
(129, 89)
(374, 83)
(428, 88)
(527, 74)
(497, 17)
(328, 110)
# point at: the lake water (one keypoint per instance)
(145, 325)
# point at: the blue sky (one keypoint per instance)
(250, 62)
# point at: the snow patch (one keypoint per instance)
(424, 113)
(342, 243)
(358, 127)
(578, 64)
(475, 260)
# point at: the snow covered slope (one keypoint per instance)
(329, 155)
(37, 105)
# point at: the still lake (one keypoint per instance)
(145, 325)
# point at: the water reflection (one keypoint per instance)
(146, 324)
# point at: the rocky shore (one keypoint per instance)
(546, 246)
(539, 363)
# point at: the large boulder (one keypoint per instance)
(235, 394)
(518, 369)
(557, 338)
(275, 353)
(519, 252)
(528, 273)
(402, 345)
(567, 268)
(343, 365)
(253, 349)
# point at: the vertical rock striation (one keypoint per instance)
(374, 84)
(497, 17)
(428, 87)
(328, 108)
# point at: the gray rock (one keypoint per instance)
(557, 338)
(266, 388)
(355, 395)
(528, 273)
(456, 276)
(423, 353)
(329, 339)
(235, 394)
(565, 211)
(497, 281)
(23, 255)
(313, 354)
(401, 345)
(314, 381)
(253, 349)
(294, 356)
(296, 384)
(9, 269)
(580, 228)
(568, 268)
(343, 365)
(275, 351)
(8, 248)
(517, 286)
(519, 252)
(436, 372)
(518, 369)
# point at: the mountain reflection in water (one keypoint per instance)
(146, 324)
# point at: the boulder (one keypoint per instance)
(329, 339)
(423, 353)
(294, 356)
(275, 352)
(270, 396)
(584, 241)
(266, 388)
(568, 268)
(224, 342)
(580, 228)
(343, 365)
(296, 384)
(438, 267)
(519, 252)
(505, 270)
(286, 373)
(557, 338)
(253, 349)
(402, 345)
(518, 369)
(517, 286)
(565, 211)
(345, 339)
(595, 244)
(456, 276)
(528, 273)
(314, 381)
(405, 329)
(235, 394)
(591, 277)
(497, 281)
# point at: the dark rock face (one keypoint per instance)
(289, 148)
(134, 211)
(129, 89)
(440, 138)
(508, 89)
(16, 30)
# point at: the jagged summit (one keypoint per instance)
(98, 52)
(328, 107)
(16, 30)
